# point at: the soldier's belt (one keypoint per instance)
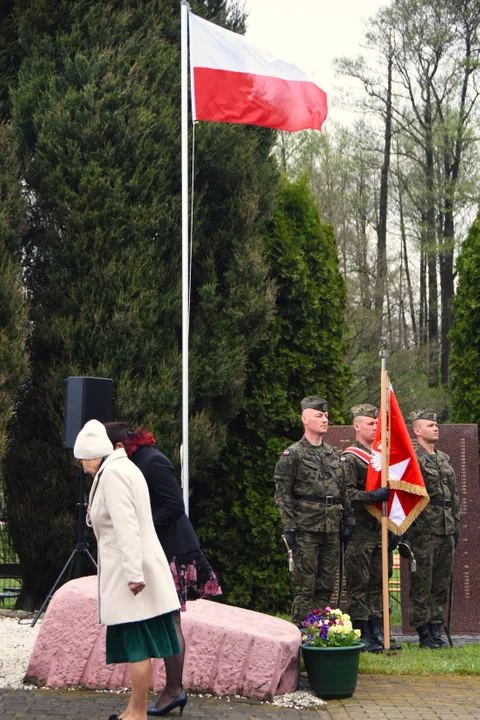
(321, 499)
(441, 503)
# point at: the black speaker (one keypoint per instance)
(86, 398)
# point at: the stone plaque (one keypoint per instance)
(460, 442)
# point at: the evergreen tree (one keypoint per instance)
(10, 55)
(301, 354)
(465, 336)
(13, 316)
(97, 116)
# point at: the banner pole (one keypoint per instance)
(185, 249)
(384, 482)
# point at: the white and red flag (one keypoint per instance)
(236, 82)
(408, 494)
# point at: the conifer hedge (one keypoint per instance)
(13, 310)
(96, 112)
(300, 354)
(465, 335)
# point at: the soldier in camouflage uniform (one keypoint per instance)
(363, 558)
(434, 534)
(310, 494)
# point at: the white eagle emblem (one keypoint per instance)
(395, 472)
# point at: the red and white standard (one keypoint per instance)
(234, 81)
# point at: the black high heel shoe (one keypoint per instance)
(180, 701)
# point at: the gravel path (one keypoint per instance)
(16, 645)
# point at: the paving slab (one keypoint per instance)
(406, 697)
(72, 705)
(379, 697)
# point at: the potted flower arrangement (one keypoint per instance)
(331, 650)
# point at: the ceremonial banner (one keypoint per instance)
(408, 494)
(236, 82)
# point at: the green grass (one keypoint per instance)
(415, 661)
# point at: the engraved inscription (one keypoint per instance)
(462, 480)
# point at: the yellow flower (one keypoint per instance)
(357, 633)
(345, 616)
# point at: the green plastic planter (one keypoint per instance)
(333, 671)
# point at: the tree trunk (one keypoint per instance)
(451, 169)
(446, 289)
(423, 295)
(431, 248)
(383, 204)
(407, 269)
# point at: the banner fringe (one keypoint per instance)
(411, 517)
(408, 487)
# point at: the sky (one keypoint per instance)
(311, 33)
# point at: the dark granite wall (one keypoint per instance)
(461, 443)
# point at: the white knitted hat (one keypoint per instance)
(92, 442)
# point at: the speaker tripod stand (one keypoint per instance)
(80, 552)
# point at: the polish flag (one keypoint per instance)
(236, 82)
(408, 494)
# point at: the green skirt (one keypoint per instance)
(136, 641)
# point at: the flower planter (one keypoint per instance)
(333, 671)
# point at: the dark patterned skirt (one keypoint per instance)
(193, 577)
(135, 641)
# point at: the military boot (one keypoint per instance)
(425, 637)
(365, 637)
(436, 634)
(376, 633)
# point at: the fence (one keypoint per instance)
(394, 587)
(10, 575)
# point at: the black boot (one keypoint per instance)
(425, 637)
(436, 634)
(376, 633)
(370, 644)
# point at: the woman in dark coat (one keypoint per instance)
(192, 574)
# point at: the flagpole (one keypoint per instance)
(384, 482)
(185, 274)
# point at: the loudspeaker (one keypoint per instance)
(86, 398)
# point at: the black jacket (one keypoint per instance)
(173, 527)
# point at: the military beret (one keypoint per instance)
(365, 410)
(314, 402)
(426, 414)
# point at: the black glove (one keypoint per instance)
(455, 538)
(289, 536)
(405, 547)
(380, 495)
(393, 540)
(347, 534)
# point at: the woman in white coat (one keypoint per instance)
(136, 595)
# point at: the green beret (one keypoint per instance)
(365, 410)
(314, 402)
(426, 414)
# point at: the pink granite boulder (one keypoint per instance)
(229, 650)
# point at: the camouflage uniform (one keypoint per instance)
(433, 538)
(363, 557)
(310, 493)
